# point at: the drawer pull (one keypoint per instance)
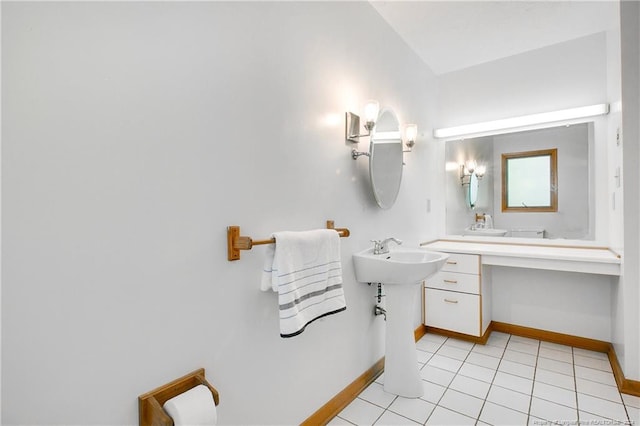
(451, 262)
(450, 301)
(451, 281)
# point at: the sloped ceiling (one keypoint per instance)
(453, 35)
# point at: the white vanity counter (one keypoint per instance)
(581, 257)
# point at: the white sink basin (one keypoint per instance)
(398, 266)
(490, 232)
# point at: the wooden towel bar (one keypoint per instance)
(235, 242)
(150, 404)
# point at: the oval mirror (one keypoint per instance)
(385, 158)
(472, 191)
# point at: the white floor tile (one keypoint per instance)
(470, 386)
(392, 419)
(498, 339)
(432, 391)
(339, 421)
(552, 412)
(601, 407)
(495, 351)
(457, 343)
(598, 364)
(498, 415)
(375, 394)
(509, 381)
(599, 390)
(361, 412)
(442, 416)
(483, 360)
(436, 375)
(555, 379)
(592, 419)
(522, 347)
(434, 338)
(461, 403)
(445, 363)
(555, 394)
(634, 414)
(555, 354)
(527, 340)
(477, 372)
(590, 354)
(555, 346)
(415, 409)
(631, 400)
(427, 345)
(453, 352)
(516, 369)
(594, 375)
(520, 357)
(557, 366)
(509, 398)
(423, 357)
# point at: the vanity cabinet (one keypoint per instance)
(453, 298)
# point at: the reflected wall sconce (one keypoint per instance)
(352, 127)
(470, 168)
(410, 135)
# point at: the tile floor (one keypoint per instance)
(511, 380)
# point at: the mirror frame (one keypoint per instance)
(386, 196)
(553, 181)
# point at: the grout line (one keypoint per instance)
(533, 383)
(575, 384)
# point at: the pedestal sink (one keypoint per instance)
(400, 270)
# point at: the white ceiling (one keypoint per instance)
(452, 35)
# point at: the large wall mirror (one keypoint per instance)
(570, 216)
(530, 181)
(385, 158)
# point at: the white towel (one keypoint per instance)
(305, 269)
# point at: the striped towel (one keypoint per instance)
(304, 269)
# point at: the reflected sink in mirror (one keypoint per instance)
(398, 266)
(485, 232)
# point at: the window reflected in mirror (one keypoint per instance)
(530, 181)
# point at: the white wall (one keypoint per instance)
(628, 341)
(134, 133)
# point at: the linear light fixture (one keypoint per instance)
(525, 120)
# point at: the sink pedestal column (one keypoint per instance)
(401, 374)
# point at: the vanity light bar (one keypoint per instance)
(525, 120)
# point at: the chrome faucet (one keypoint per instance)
(381, 247)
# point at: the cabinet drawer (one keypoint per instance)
(450, 310)
(466, 263)
(455, 281)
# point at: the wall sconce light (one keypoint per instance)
(352, 127)
(470, 168)
(410, 135)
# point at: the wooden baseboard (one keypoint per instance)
(474, 339)
(331, 409)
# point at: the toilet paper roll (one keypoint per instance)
(193, 407)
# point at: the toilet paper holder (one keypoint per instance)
(150, 404)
